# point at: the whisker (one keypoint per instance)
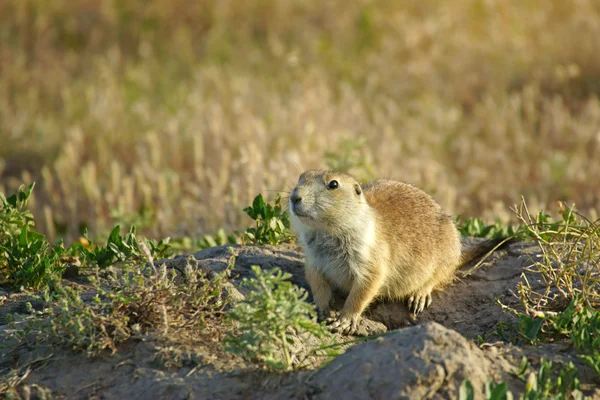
(297, 167)
(277, 191)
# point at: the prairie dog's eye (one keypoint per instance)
(333, 184)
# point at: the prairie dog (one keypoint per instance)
(384, 239)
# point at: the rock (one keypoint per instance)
(421, 362)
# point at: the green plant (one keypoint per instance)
(566, 305)
(272, 224)
(497, 391)
(271, 319)
(220, 238)
(581, 324)
(545, 383)
(14, 215)
(119, 249)
(131, 302)
(476, 227)
(26, 258)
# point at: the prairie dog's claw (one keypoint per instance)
(346, 325)
(419, 302)
(323, 314)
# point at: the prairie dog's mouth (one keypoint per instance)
(299, 212)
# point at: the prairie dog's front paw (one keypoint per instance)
(345, 324)
(323, 314)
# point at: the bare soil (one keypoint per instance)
(426, 357)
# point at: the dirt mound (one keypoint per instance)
(424, 358)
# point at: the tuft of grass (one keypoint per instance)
(120, 249)
(569, 264)
(560, 293)
(271, 319)
(132, 302)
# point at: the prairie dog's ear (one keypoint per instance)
(357, 188)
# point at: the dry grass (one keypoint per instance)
(186, 110)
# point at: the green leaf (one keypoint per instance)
(498, 392)
(466, 392)
(531, 326)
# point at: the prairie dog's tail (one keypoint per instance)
(482, 249)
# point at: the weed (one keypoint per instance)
(14, 215)
(545, 383)
(476, 227)
(559, 294)
(272, 224)
(28, 260)
(119, 249)
(271, 319)
(568, 267)
(130, 303)
(497, 391)
(220, 238)
(581, 324)
(569, 262)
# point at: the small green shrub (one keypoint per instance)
(220, 238)
(476, 227)
(581, 324)
(566, 306)
(268, 319)
(119, 249)
(545, 383)
(14, 215)
(26, 257)
(28, 260)
(130, 302)
(272, 224)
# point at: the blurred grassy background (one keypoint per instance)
(173, 114)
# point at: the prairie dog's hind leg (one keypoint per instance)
(321, 291)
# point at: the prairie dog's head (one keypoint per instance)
(326, 200)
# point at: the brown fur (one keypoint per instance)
(386, 239)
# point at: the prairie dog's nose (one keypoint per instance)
(295, 197)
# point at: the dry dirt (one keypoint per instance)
(424, 358)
